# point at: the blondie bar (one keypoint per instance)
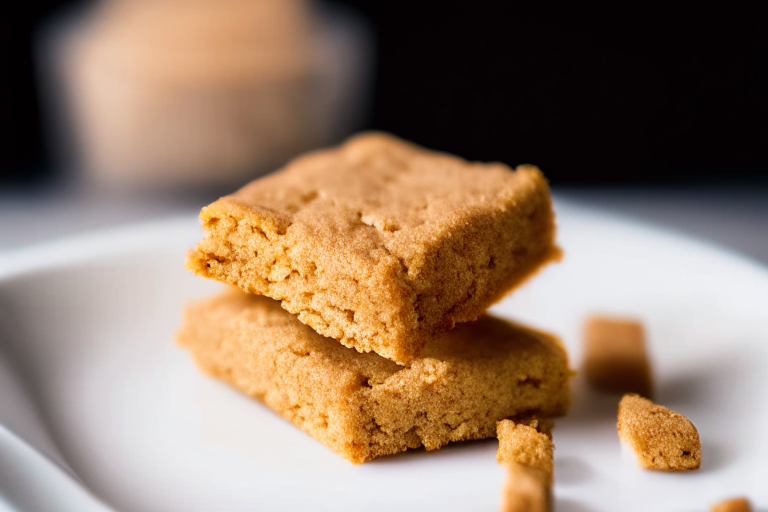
(362, 405)
(381, 244)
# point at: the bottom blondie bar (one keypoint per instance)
(363, 406)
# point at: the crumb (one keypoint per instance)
(526, 450)
(732, 505)
(524, 444)
(661, 439)
(615, 357)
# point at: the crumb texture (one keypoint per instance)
(661, 439)
(362, 405)
(615, 356)
(379, 243)
(732, 505)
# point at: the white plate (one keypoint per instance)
(89, 324)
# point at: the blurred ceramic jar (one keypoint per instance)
(190, 93)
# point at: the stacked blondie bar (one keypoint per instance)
(361, 278)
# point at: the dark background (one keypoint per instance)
(614, 93)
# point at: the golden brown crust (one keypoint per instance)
(615, 357)
(661, 439)
(381, 244)
(732, 505)
(363, 406)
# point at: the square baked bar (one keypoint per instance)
(381, 244)
(361, 405)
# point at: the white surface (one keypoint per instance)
(90, 321)
(33, 483)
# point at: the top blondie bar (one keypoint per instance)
(380, 243)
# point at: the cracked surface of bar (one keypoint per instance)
(363, 406)
(379, 243)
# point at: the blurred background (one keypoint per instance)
(118, 111)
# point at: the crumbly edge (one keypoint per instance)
(362, 415)
(661, 439)
(454, 404)
(309, 285)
